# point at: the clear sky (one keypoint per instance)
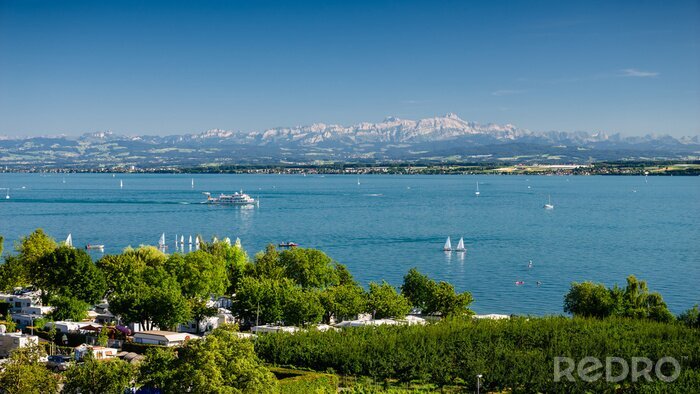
(150, 67)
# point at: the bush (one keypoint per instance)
(293, 381)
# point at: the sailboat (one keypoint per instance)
(121, 184)
(196, 243)
(69, 240)
(477, 189)
(192, 183)
(549, 205)
(238, 243)
(190, 244)
(182, 242)
(448, 245)
(460, 246)
(161, 242)
(358, 181)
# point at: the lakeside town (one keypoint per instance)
(653, 168)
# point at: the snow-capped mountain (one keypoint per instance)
(438, 138)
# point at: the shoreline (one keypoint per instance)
(639, 168)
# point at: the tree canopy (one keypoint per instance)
(588, 299)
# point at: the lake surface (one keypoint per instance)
(602, 228)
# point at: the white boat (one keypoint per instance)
(182, 241)
(101, 248)
(477, 189)
(196, 243)
(192, 183)
(161, 242)
(237, 243)
(448, 245)
(549, 205)
(460, 246)
(358, 181)
(121, 184)
(69, 240)
(231, 199)
(190, 244)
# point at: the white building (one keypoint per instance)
(38, 310)
(12, 341)
(164, 338)
(98, 352)
(269, 328)
(68, 326)
(18, 302)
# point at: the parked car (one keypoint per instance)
(58, 363)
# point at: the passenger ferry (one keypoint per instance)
(231, 199)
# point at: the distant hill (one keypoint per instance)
(439, 139)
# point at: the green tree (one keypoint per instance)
(98, 377)
(309, 267)
(23, 374)
(103, 337)
(588, 299)
(200, 274)
(444, 300)
(691, 317)
(17, 270)
(9, 323)
(13, 273)
(639, 303)
(35, 246)
(200, 311)
(261, 300)
(343, 302)
(156, 371)
(154, 299)
(302, 306)
(267, 264)
(235, 258)
(70, 272)
(417, 288)
(68, 308)
(384, 301)
(223, 363)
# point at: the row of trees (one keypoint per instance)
(222, 363)
(513, 355)
(143, 285)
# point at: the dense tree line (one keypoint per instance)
(515, 354)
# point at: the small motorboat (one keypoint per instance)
(288, 245)
(519, 282)
(95, 247)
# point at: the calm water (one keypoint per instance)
(602, 229)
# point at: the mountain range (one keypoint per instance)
(445, 138)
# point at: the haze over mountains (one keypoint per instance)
(437, 139)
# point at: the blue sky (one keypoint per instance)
(149, 67)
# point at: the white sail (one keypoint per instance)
(227, 241)
(549, 205)
(238, 242)
(69, 240)
(358, 181)
(182, 240)
(196, 243)
(448, 245)
(192, 183)
(477, 189)
(190, 241)
(460, 245)
(121, 184)
(161, 242)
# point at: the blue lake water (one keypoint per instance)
(602, 228)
